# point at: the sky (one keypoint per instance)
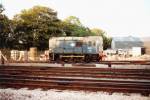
(116, 17)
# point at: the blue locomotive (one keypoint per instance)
(75, 49)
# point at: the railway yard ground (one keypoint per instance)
(89, 81)
(38, 94)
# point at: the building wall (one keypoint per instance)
(147, 47)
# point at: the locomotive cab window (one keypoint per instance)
(94, 44)
(79, 44)
(90, 43)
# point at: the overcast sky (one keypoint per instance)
(116, 17)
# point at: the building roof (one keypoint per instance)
(131, 38)
(128, 38)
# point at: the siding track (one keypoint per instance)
(76, 78)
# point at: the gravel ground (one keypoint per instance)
(37, 94)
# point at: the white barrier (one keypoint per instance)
(14, 55)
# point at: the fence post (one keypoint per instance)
(2, 60)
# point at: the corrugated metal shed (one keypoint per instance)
(126, 42)
(129, 42)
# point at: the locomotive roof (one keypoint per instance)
(76, 38)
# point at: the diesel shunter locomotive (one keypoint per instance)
(75, 49)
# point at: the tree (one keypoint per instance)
(106, 39)
(73, 27)
(4, 31)
(33, 27)
(73, 20)
(98, 32)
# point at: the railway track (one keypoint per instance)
(121, 62)
(78, 73)
(76, 78)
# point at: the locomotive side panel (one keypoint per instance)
(85, 48)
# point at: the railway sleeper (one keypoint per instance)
(60, 78)
(81, 83)
(82, 72)
(47, 76)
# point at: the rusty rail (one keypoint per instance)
(72, 78)
(115, 62)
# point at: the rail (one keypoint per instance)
(76, 78)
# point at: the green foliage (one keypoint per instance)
(98, 32)
(106, 40)
(4, 31)
(73, 21)
(73, 27)
(35, 26)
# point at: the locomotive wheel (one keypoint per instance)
(56, 58)
(87, 58)
(51, 57)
